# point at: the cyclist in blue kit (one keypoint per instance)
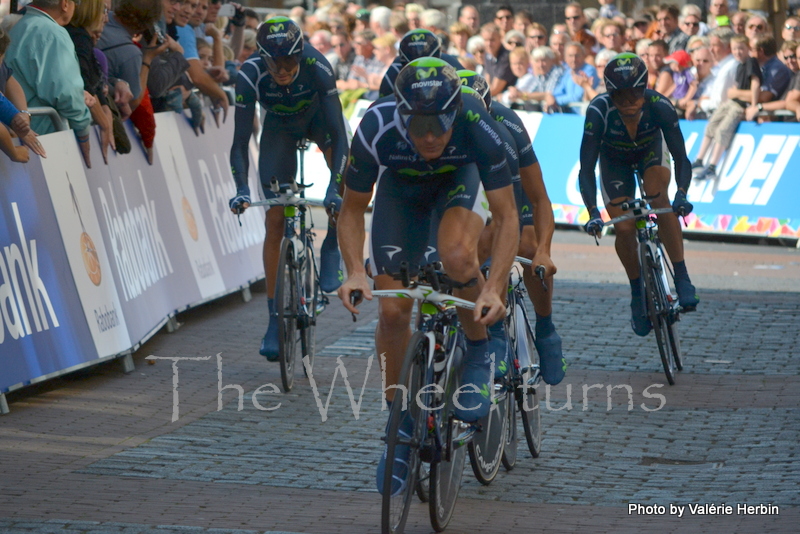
(633, 127)
(414, 45)
(296, 87)
(429, 154)
(536, 229)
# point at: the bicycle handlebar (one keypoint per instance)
(287, 199)
(638, 212)
(424, 293)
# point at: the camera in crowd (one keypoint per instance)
(150, 33)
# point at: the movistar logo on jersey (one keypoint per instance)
(311, 60)
(441, 170)
(525, 208)
(499, 118)
(655, 98)
(239, 98)
(588, 126)
(456, 191)
(425, 74)
(473, 117)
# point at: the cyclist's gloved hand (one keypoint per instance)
(680, 205)
(333, 201)
(595, 224)
(242, 197)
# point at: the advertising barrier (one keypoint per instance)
(93, 260)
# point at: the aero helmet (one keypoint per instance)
(419, 43)
(625, 71)
(428, 94)
(280, 44)
(472, 79)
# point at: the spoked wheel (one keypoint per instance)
(658, 312)
(404, 448)
(447, 467)
(424, 482)
(526, 394)
(510, 445)
(486, 448)
(286, 307)
(311, 297)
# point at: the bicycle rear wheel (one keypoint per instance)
(286, 304)
(486, 448)
(526, 393)
(309, 301)
(394, 510)
(658, 310)
(447, 467)
(510, 445)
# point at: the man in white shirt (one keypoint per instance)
(724, 75)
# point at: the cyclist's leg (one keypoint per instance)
(547, 340)
(617, 182)
(403, 210)
(400, 228)
(656, 176)
(463, 218)
(331, 274)
(279, 161)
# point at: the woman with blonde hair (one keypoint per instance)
(89, 19)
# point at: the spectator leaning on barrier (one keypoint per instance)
(42, 58)
(776, 81)
(542, 83)
(11, 113)
(670, 32)
(90, 16)
(701, 79)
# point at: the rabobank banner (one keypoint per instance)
(92, 260)
(754, 193)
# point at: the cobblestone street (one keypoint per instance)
(97, 452)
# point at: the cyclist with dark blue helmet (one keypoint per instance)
(414, 44)
(296, 87)
(427, 154)
(536, 230)
(633, 127)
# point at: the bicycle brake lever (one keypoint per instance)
(540, 271)
(355, 300)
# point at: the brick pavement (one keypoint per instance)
(97, 452)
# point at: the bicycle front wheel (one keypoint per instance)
(395, 505)
(526, 393)
(286, 304)
(658, 309)
(447, 467)
(486, 448)
(510, 445)
(310, 301)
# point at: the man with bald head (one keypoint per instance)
(469, 15)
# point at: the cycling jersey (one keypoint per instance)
(605, 133)
(387, 84)
(411, 192)
(308, 107)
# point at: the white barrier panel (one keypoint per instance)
(97, 258)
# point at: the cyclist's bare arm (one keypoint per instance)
(544, 222)
(504, 250)
(351, 242)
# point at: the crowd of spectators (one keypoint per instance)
(98, 63)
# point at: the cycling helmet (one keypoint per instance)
(625, 71)
(419, 43)
(473, 93)
(428, 94)
(472, 79)
(280, 45)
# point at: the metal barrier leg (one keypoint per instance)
(172, 324)
(127, 363)
(247, 296)
(3, 404)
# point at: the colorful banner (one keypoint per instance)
(753, 193)
(92, 260)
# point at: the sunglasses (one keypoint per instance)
(503, 17)
(787, 58)
(793, 28)
(515, 43)
(692, 24)
(759, 27)
(572, 18)
(537, 37)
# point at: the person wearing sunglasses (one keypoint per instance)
(788, 57)
(574, 19)
(755, 27)
(435, 162)
(504, 19)
(793, 95)
(296, 88)
(791, 29)
(629, 126)
(671, 33)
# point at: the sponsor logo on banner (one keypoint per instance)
(80, 234)
(23, 295)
